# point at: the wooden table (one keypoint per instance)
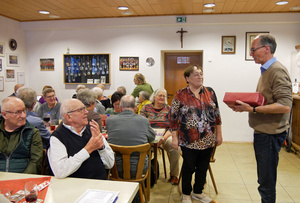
(70, 189)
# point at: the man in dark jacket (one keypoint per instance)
(21, 148)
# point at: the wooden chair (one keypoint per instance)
(45, 164)
(126, 151)
(212, 160)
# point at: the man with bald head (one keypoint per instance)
(21, 148)
(17, 86)
(77, 148)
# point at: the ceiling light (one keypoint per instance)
(209, 5)
(44, 12)
(123, 8)
(280, 3)
(295, 8)
(127, 13)
(54, 16)
(208, 10)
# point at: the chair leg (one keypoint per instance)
(145, 192)
(212, 178)
(164, 161)
(141, 193)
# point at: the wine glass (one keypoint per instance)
(31, 191)
(6, 193)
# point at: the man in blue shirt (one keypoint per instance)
(29, 98)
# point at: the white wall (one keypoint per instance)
(149, 36)
(11, 29)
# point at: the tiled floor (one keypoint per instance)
(235, 176)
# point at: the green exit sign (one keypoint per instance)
(181, 19)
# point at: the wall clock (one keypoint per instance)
(13, 44)
(150, 61)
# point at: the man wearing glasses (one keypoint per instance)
(271, 121)
(21, 148)
(77, 148)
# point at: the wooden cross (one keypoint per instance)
(181, 35)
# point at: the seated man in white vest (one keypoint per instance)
(21, 148)
(77, 148)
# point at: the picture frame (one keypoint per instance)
(10, 75)
(13, 60)
(250, 36)
(0, 64)
(2, 51)
(86, 68)
(21, 78)
(1, 84)
(47, 64)
(228, 44)
(129, 63)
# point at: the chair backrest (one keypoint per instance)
(126, 151)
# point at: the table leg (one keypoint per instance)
(155, 161)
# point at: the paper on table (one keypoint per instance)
(98, 196)
(159, 133)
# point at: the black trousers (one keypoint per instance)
(194, 161)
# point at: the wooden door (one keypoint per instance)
(175, 63)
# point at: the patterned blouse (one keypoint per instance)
(158, 118)
(195, 119)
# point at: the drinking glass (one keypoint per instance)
(31, 191)
(6, 193)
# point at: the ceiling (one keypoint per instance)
(28, 10)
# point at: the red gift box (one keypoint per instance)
(251, 98)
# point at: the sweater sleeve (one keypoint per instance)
(36, 154)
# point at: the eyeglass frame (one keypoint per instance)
(252, 50)
(17, 113)
(81, 110)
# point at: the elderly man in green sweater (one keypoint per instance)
(21, 148)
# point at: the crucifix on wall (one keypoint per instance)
(181, 35)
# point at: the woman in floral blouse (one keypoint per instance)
(196, 117)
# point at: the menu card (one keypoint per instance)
(98, 196)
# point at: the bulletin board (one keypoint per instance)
(86, 68)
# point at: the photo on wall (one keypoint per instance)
(129, 63)
(1, 49)
(10, 75)
(47, 64)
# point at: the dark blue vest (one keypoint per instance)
(93, 167)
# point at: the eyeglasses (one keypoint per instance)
(254, 49)
(17, 113)
(161, 95)
(48, 97)
(81, 110)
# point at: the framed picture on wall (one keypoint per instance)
(228, 44)
(250, 36)
(129, 63)
(10, 75)
(13, 60)
(0, 64)
(1, 84)
(2, 49)
(47, 64)
(86, 68)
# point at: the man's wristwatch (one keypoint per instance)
(254, 110)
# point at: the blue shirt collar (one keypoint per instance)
(269, 63)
